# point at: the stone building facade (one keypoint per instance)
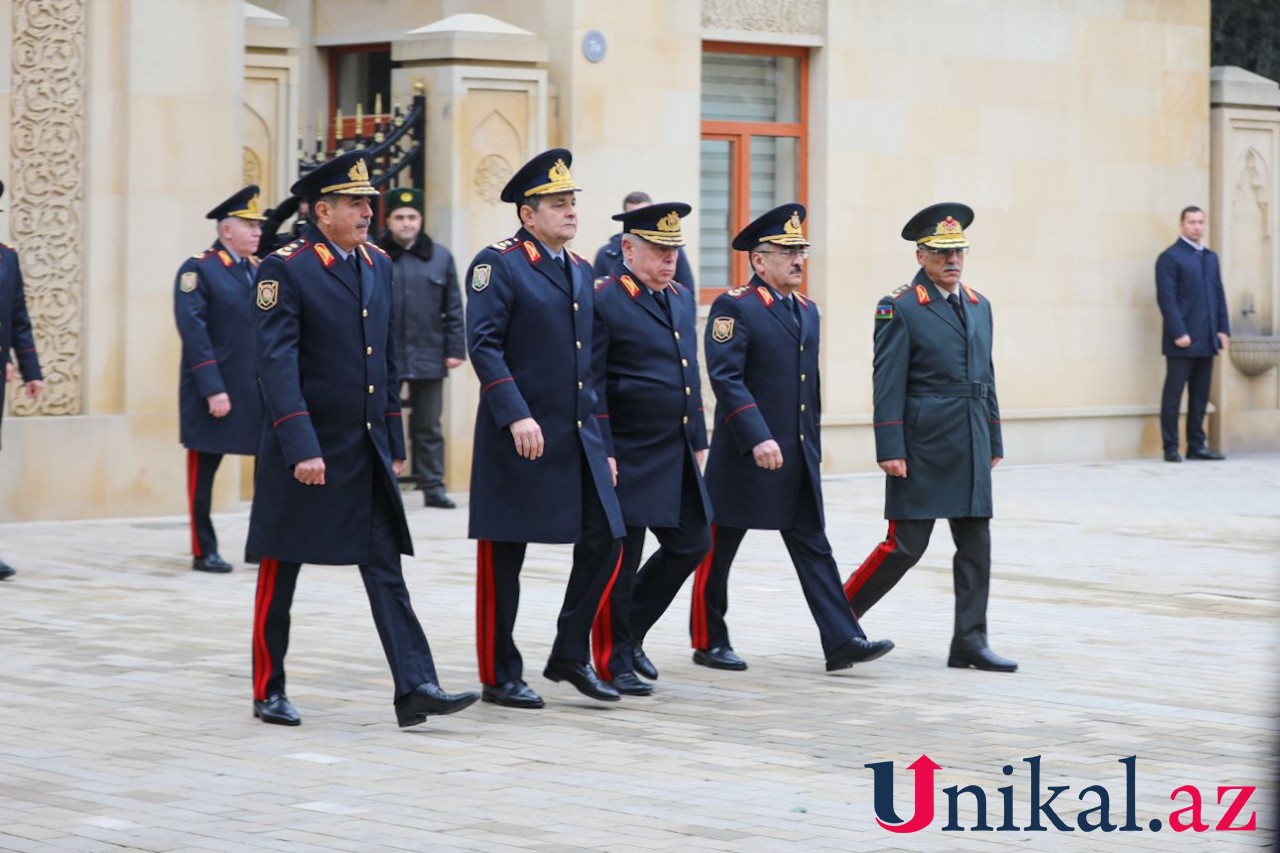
(1076, 129)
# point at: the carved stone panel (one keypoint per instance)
(46, 193)
(768, 16)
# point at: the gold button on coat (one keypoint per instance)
(370, 389)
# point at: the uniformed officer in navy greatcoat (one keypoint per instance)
(219, 407)
(332, 444)
(766, 450)
(937, 426)
(646, 372)
(539, 469)
(16, 338)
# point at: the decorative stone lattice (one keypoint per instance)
(769, 16)
(46, 193)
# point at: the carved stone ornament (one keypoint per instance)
(492, 174)
(46, 189)
(767, 16)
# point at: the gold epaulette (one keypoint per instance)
(503, 245)
(898, 291)
(289, 250)
(601, 282)
(739, 292)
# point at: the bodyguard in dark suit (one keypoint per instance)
(539, 470)
(609, 256)
(937, 427)
(16, 338)
(1194, 306)
(429, 332)
(646, 372)
(766, 451)
(332, 445)
(219, 407)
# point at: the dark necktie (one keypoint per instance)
(663, 302)
(247, 270)
(568, 274)
(795, 310)
(954, 299)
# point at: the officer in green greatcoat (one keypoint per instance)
(937, 427)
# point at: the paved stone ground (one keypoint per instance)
(1141, 600)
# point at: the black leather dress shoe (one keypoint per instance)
(6, 571)
(1204, 453)
(276, 710)
(513, 694)
(581, 676)
(211, 563)
(984, 659)
(627, 684)
(428, 700)
(439, 500)
(721, 657)
(858, 650)
(1172, 456)
(643, 665)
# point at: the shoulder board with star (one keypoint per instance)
(375, 247)
(200, 256)
(739, 292)
(504, 245)
(290, 250)
(898, 291)
(601, 283)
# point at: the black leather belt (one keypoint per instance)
(975, 390)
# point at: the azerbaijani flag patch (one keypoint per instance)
(884, 312)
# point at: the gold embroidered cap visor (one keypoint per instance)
(656, 223)
(242, 205)
(346, 174)
(546, 174)
(940, 226)
(781, 226)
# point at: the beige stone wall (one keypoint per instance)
(1077, 131)
(161, 145)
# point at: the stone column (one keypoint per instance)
(1243, 223)
(487, 102)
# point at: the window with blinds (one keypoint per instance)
(754, 121)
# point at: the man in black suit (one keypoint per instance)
(332, 443)
(16, 336)
(1194, 306)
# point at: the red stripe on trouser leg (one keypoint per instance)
(261, 653)
(485, 606)
(869, 566)
(602, 625)
(698, 611)
(193, 472)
